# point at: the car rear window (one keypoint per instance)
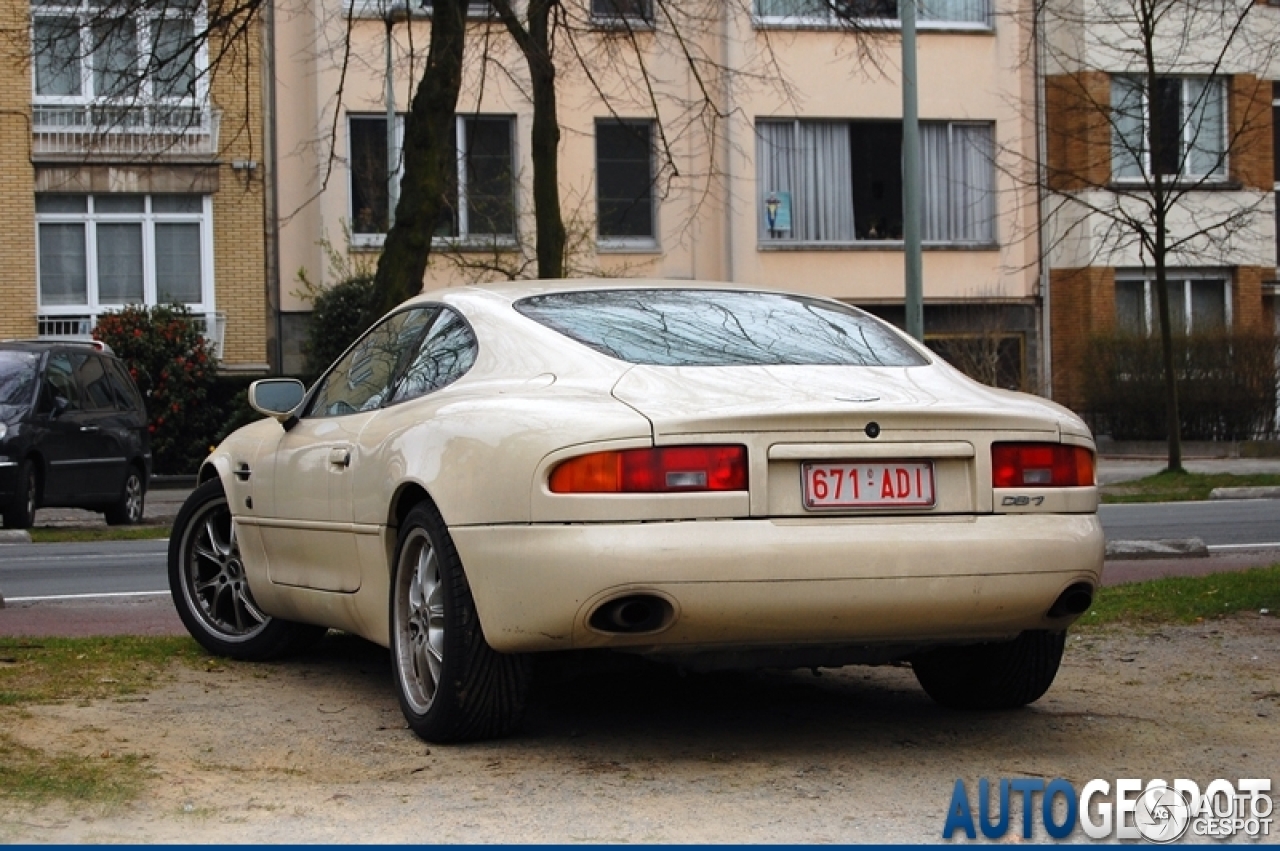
(720, 328)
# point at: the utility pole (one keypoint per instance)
(911, 200)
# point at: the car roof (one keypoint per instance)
(515, 290)
(47, 345)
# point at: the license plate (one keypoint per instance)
(885, 484)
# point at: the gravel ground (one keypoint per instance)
(314, 749)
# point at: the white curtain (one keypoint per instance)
(809, 161)
(964, 11)
(957, 182)
(775, 153)
(972, 195)
(935, 184)
(825, 198)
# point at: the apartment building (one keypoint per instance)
(132, 172)
(759, 144)
(1202, 126)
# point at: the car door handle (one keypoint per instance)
(90, 428)
(340, 457)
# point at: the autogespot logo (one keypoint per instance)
(1128, 809)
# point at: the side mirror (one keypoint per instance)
(60, 405)
(277, 397)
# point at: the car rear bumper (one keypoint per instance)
(780, 583)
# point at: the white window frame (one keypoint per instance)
(1188, 136)
(829, 20)
(464, 236)
(1150, 321)
(624, 244)
(87, 97)
(477, 10)
(93, 304)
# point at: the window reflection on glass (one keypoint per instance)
(720, 328)
(446, 353)
(361, 379)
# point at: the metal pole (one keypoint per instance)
(911, 199)
(393, 187)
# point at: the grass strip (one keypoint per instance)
(43, 670)
(1186, 599)
(70, 535)
(36, 776)
(1181, 487)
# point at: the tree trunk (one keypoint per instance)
(535, 43)
(428, 158)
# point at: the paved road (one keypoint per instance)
(70, 570)
(124, 567)
(1225, 524)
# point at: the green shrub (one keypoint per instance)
(337, 318)
(174, 366)
(1226, 386)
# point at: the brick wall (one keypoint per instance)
(238, 208)
(1248, 308)
(1078, 140)
(17, 196)
(1249, 112)
(1082, 302)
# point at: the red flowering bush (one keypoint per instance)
(173, 364)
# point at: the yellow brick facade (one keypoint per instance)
(238, 224)
(17, 194)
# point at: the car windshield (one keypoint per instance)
(17, 378)
(720, 328)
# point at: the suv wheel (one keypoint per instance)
(128, 510)
(20, 514)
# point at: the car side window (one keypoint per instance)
(91, 371)
(60, 381)
(361, 379)
(447, 352)
(127, 398)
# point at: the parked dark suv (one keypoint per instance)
(73, 432)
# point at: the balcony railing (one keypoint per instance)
(80, 327)
(135, 130)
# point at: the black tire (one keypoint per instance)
(127, 511)
(21, 512)
(1003, 675)
(451, 684)
(207, 581)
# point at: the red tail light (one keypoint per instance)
(668, 469)
(1040, 465)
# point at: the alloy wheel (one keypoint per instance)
(420, 627)
(213, 577)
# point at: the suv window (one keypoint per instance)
(59, 380)
(720, 328)
(92, 372)
(126, 393)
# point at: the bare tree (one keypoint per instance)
(1156, 122)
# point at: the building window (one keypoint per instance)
(103, 252)
(949, 13)
(1199, 305)
(146, 55)
(1190, 133)
(627, 12)
(624, 182)
(482, 194)
(841, 182)
(477, 9)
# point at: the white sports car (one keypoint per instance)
(718, 476)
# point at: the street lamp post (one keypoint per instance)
(911, 199)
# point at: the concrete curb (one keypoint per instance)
(1166, 548)
(1270, 492)
(15, 536)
